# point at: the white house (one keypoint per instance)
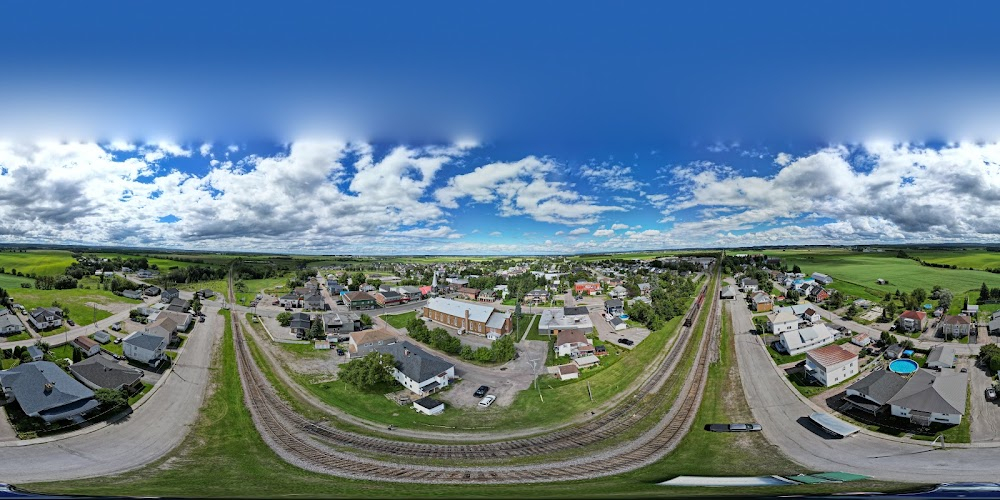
(822, 278)
(45, 317)
(782, 321)
(144, 347)
(9, 323)
(88, 346)
(567, 372)
(569, 342)
(807, 312)
(806, 339)
(928, 398)
(417, 370)
(831, 364)
(749, 285)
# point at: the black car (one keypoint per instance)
(340, 352)
(481, 391)
(71, 323)
(733, 427)
(625, 341)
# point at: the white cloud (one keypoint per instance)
(560, 233)
(232, 148)
(496, 234)
(616, 227)
(602, 233)
(783, 159)
(120, 146)
(608, 176)
(578, 231)
(205, 149)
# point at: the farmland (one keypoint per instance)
(40, 262)
(974, 258)
(855, 273)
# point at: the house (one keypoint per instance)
(144, 347)
(340, 324)
(163, 327)
(554, 321)
(807, 312)
(178, 305)
(388, 298)
(206, 293)
(806, 339)
(145, 274)
(587, 287)
(334, 287)
(994, 326)
(586, 361)
(955, 326)
(417, 370)
(102, 337)
(618, 292)
(169, 294)
(614, 307)
(831, 364)
(86, 345)
(645, 289)
(43, 318)
(10, 324)
(822, 278)
(35, 353)
(569, 342)
(941, 357)
(818, 294)
(893, 352)
(971, 310)
(152, 291)
(99, 372)
(45, 391)
(132, 294)
(782, 321)
(366, 287)
(359, 301)
(503, 290)
(487, 296)
(762, 302)
(384, 288)
(913, 321)
(567, 372)
(409, 292)
(536, 296)
(471, 318)
(428, 406)
(360, 340)
(873, 392)
(182, 320)
(617, 323)
(290, 299)
(861, 340)
(728, 292)
(931, 398)
(749, 285)
(314, 301)
(300, 325)
(468, 293)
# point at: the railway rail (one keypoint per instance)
(310, 445)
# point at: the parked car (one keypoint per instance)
(733, 427)
(116, 327)
(288, 309)
(991, 394)
(118, 341)
(487, 401)
(340, 352)
(625, 341)
(70, 322)
(275, 303)
(481, 391)
(201, 319)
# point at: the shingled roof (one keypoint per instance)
(43, 390)
(103, 372)
(414, 362)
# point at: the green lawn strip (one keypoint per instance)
(75, 299)
(399, 320)
(137, 396)
(14, 338)
(526, 323)
(533, 332)
(9, 363)
(781, 359)
(112, 347)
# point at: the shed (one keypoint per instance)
(567, 372)
(585, 361)
(428, 406)
(102, 337)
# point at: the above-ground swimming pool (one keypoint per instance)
(623, 316)
(903, 366)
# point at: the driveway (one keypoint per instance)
(985, 416)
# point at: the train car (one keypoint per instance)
(689, 320)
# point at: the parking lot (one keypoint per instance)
(985, 423)
(504, 381)
(608, 334)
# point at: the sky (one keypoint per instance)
(497, 128)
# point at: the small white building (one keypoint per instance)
(428, 406)
(831, 364)
(782, 321)
(587, 361)
(102, 336)
(822, 278)
(806, 339)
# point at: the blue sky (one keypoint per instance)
(392, 127)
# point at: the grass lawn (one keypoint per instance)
(11, 283)
(112, 347)
(855, 273)
(20, 336)
(527, 320)
(975, 258)
(75, 300)
(9, 363)
(137, 396)
(40, 262)
(399, 320)
(63, 351)
(780, 359)
(223, 456)
(533, 333)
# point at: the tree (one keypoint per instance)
(796, 269)
(944, 298)
(367, 320)
(284, 318)
(316, 329)
(110, 398)
(919, 294)
(887, 338)
(77, 355)
(984, 293)
(852, 311)
(368, 372)
(503, 349)
(240, 286)
(196, 304)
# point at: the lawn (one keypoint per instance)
(12, 283)
(533, 332)
(399, 320)
(74, 299)
(137, 396)
(526, 321)
(781, 359)
(7, 364)
(223, 456)
(63, 351)
(854, 273)
(14, 338)
(40, 262)
(112, 347)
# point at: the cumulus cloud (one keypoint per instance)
(496, 234)
(608, 176)
(616, 227)
(522, 188)
(578, 231)
(783, 159)
(603, 233)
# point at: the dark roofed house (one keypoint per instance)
(614, 307)
(417, 370)
(99, 372)
(928, 398)
(873, 392)
(300, 324)
(428, 406)
(314, 301)
(359, 300)
(388, 298)
(44, 391)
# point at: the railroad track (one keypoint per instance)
(302, 442)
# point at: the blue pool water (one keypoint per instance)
(623, 316)
(903, 366)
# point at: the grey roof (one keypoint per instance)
(414, 362)
(427, 403)
(457, 309)
(104, 372)
(994, 324)
(557, 319)
(408, 289)
(880, 386)
(10, 320)
(575, 311)
(300, 320)
(995, 315)
(144, 340)
(616, 321)
(927, 392)
(290, 296)
(391, 295)
(613, 303)
(943, 356)
(497, 319)
(27, 383)
(34, 351)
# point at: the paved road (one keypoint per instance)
(155, 428)
(784, 418)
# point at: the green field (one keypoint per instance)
(74, 299)
(13, 283)
(975, 258)
(854, 273)
(399, 320)
(40, 262)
